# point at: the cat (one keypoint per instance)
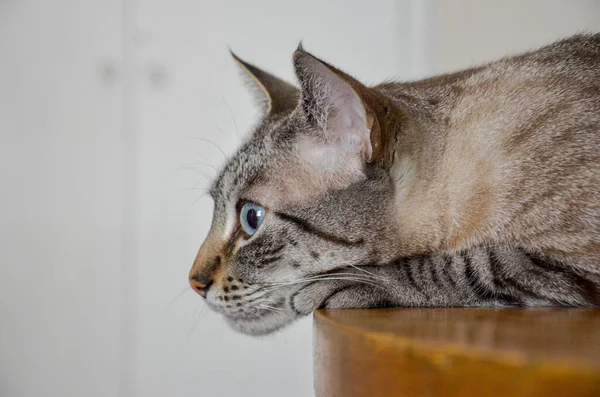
(477, 188)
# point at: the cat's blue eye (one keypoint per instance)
(251, 217)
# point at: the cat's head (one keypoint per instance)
(306, 195)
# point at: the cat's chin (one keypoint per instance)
(263, 325)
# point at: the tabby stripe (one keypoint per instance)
(476, 286)
(434, 275)
(590, 292)
(546, 270)
(421, 267)
(274, 250)
(495, 266)
(446, 269)
(384, 303)
(271, 259)
(526, 289)
(423, 262)
(307, 227)
(537, 261)
(411, 279)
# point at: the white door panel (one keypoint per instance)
(61, 198)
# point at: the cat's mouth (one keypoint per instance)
(257, 310)
(255, 316)
(262, 321)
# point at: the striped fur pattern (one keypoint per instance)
(491, 276)
(479, 188)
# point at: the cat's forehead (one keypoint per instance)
(240, 168)
(268, 141)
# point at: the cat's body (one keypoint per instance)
(488, 178)
(507, 153)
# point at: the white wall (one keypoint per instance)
(471, 32)
(61, 198)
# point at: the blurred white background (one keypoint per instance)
(101, 105)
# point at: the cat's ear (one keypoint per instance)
(274, 95)
(343, 109)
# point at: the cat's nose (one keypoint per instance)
(201, 284)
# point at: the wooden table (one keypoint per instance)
(463, 352)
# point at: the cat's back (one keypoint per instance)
(579, 53)
(576, 58)
(531, 101)
(522, 100)
(567, 70)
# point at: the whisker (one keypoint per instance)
(183, 291)
(353, 278)
(274, 309)
(184, 168)
(197, 314)
(201, 163)
(319, 276)
(268, 287)
(220, 130)
(202, 195)
(237, 132)
(211, 142)
(197, 183)
(191, 188)
(369, 273)
(195, 187)
(203, 157)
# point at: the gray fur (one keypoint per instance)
(479, 188)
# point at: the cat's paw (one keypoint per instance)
(314, 295)
(337, 295)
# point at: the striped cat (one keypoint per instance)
(478, 188)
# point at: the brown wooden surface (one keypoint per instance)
(457, 352)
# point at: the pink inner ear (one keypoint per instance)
(347, 120)
(347, 129)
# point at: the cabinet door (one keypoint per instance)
(61, 197)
